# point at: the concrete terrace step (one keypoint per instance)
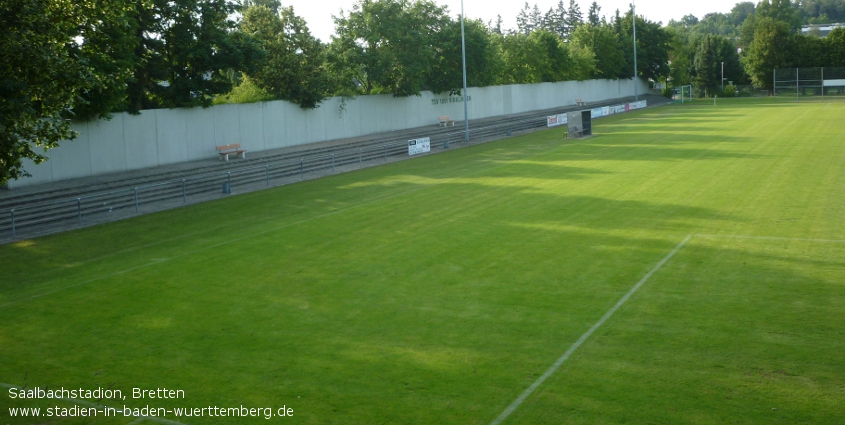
(69, 199)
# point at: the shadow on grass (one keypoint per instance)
(741, 325)
(464, 331)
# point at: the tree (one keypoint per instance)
(715, 24)
(603, 41)
(746, 32)
(388, 46)
(524, 23)
(705, 68)
(497, 27)
(593, 14)
(181, 47)
(557, 19)
(740, 12)
(552, 60)
(483, 58)
(537, 21)
(809, 51)
(724, 51)
(104, 40)
(836, 47)
(45, 73)
(554, 22)
(687, 22)
(294, 67)
(574, 17)
(542, 56)
(770, 50)
(652, 47)
(681, 56)
(583, 63)
(821, 11)
(780, 10)
(517, 55)
(273, 5)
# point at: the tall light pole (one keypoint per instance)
(634, 16)
(464, 59)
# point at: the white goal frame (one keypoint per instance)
(688, 89)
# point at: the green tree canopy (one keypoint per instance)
(603, 41)
(47, 72)
(483, 58)
(182, 45)
(294, 68)
(652, 47)
(780, 10)
(836, 47)
(771, 49)
(681, 56)
(273, 5)
(705, 67)
(593, 15)
(388, 46)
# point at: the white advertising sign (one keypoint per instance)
(417, 146)
(637, 105)
(556, 120)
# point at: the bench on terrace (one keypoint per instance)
(234, 149)
(445, 121)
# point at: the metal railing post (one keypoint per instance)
(301, 171)
(384, 151)
(136, 199)
(360, 159)
(79, 209)
(267, 174)
(14, 231)
(184, 193)
(229, 178)
(332, 163)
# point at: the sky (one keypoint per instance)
(318, 13)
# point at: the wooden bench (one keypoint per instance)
(445, 121)
(233, 149)
(580, 102)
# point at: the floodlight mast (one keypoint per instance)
(634, 20)
(464, 60)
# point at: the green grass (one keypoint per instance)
(436, 290)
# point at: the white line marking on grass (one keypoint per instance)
(89, 404)
(137, 421)
(338, 211)
(773, 238)
(550, 371)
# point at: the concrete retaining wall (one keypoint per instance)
(167, 136)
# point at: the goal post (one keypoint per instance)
(685, 91)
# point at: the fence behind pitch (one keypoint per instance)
(804, 82)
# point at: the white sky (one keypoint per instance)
(318, 12)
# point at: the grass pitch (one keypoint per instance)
(436, 290)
